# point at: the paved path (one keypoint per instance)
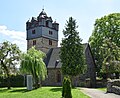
(95, 93)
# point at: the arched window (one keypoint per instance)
(58, 78)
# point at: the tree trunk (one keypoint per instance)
(8, 82)
(36, 82)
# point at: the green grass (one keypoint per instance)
(44, 92)
(103, 89)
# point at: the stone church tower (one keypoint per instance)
(42, 32)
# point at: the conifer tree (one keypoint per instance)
(71, 53)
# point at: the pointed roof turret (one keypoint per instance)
(43, 13)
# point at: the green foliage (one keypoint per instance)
(107, 27)
(32, 63)
(15, 81)
(9, 58)
(63, 87)
(71, 53)
(66, 91)
(111, 54)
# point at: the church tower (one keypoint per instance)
(42, 32)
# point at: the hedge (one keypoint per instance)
(16, 81)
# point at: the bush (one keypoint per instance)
(66, 91)
(15, 81)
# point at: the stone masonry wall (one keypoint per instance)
(51, 80)
(52, 77)
(42, 44)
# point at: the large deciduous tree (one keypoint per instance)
(111, 61)
(71, 53)
(9, 57)
(32, 63)
(107, 27)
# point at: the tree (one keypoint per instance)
(32, 63)
(111, 61)
(9, 57)
(71, 53)
(107, 27)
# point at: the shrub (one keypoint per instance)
(66, 91)
(3, 81)
(15, 81)
(63, 86)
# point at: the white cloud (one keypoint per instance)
(16, 37)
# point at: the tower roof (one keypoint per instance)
(43, 13)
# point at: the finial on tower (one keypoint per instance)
(43, 8)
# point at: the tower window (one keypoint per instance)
(50, 42)
(33, 31)
(50, 32)
(46, 23)
(34, 42)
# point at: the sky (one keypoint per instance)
(15, 13)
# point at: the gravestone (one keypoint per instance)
(29, 82)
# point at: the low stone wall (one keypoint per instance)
(99, 83)
(113, 86)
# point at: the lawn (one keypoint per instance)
(44, 92)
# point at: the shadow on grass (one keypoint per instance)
(20, 90)
(56, 89)
(3, 90)
(13, 90)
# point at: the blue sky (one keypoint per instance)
(15, 13)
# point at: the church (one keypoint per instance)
(42, 32)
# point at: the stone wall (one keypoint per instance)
(99, 83)
(113, 86)
(51, 79)
(42, 44)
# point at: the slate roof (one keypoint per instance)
(43, 13)
(53, 59)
